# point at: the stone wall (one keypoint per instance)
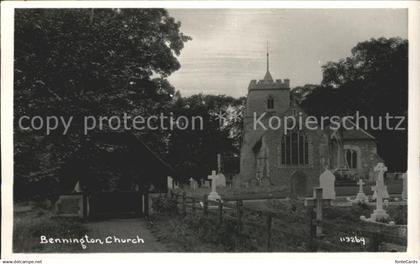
(368, 157)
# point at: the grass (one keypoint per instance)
(30, 225)
(197, 233)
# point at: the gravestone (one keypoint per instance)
(213, 194)
(170, 183)
(77, 188)
(379, 213)
(327, 183)
(221, 180)
(206, 184)
(361, 196)
(404, 190)
(70, 205)
(193, 184)
(384, 188)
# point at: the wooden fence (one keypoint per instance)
(278, 223)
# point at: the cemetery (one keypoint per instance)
(327, 221)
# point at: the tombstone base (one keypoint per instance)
(214, 196)
(362, 198)
(378, 214)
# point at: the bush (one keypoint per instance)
(165, 205)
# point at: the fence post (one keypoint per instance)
(319, 205)
(146, 204)
(239, 221)
(193, 205)
(184, 206)
(375, 242)
(239, 214)
(174, 195)
(205, 204)
(220, 205)
(85, 205)
(312, 229)
(269, 222)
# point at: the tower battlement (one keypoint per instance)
(264, 84)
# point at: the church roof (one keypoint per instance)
(352, 131)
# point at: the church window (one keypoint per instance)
(270, 102)
(351, 158)
(294, 149)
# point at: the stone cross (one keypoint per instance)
(361, 196)
(318, 202)
(213, 194)
(379, 213)
(360, 183)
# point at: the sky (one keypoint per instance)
(228, 46)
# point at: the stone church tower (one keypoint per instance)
(268, 96)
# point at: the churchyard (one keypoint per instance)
(331, 220)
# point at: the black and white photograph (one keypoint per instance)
(210, 130)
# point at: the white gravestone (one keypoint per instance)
(170, 183)
(379, 212)
(361, 196)
(221, 180)
(404, 190)
(213, 194)
(384, 190)
(327, 183)
(77, 188)
(193, 184)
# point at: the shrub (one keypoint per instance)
(164, 205)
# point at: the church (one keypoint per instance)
(291, 161)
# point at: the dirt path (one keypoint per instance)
(113, 229)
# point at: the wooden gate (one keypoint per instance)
(118, 204)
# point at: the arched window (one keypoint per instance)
(352, 158)
(294, 149)
(270, 102)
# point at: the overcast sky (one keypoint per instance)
(229, 45)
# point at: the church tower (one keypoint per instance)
(265, 97)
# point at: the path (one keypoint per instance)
(122, 229)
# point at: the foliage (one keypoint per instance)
(193, 152)
(87, 62)
(373, 81)
(29, 226)
(164, 204)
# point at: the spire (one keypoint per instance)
(268, 59)
(267, 76)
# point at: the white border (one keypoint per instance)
(7, 22)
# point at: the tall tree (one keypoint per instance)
(193, 152)
(373, 81)
(88, 62)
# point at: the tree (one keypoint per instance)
(88, 62)
(373, 81)
(193, 152)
